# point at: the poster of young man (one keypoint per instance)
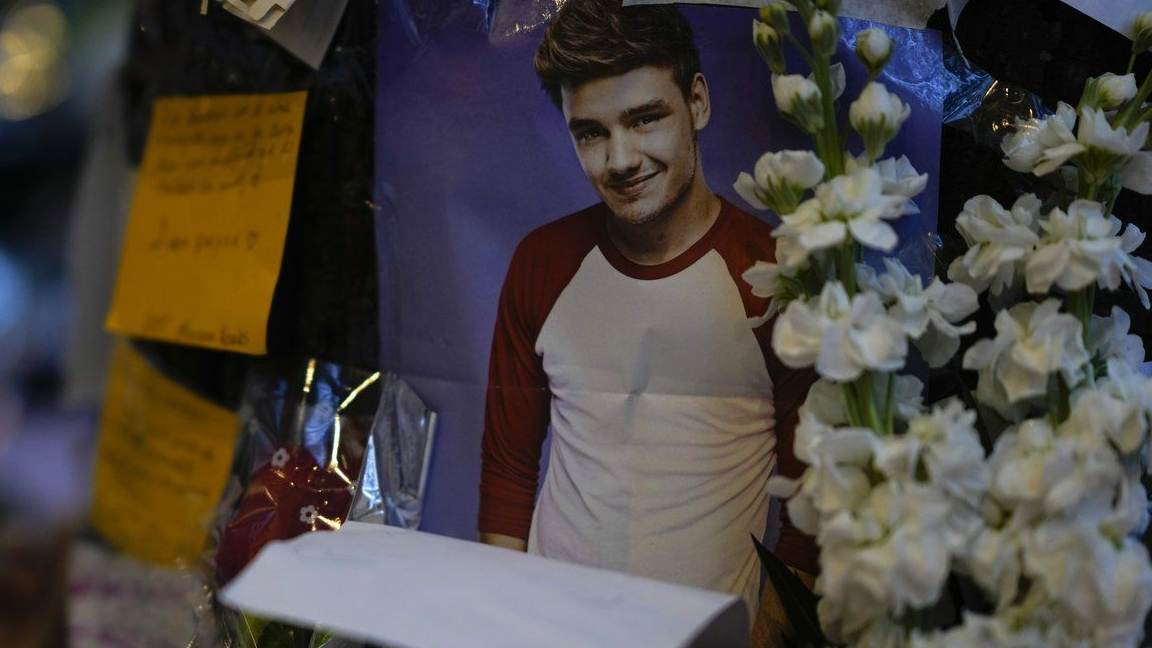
(561, 278)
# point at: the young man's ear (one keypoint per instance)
(699, 102)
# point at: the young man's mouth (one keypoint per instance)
(633, 185)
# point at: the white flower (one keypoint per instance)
(308, 514)
(836, 477)
(852, 204)
(1041, 146)
(1082, 246)
(1017, 463)
(1118, 408)
(1101, 585)
(837, 80)
(1133, 270)
(1095, 132)
(799, 98)
(1074, 250)
(994, 561)
(790, 255)
(1083, 474)
(779, 179)
(942, 449)
(801, 169)
(1108, 338)
(928, 315)
(842, 337)
(873, 48)
(900, 178)
(945, 445)
(765, 279)
(1121, 149)
(1033, 341)
(998, 240)
(1137, 174)
(882, 558)
(877, 115)
(1113, 89)
(280, 458)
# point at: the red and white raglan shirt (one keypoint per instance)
(663, 401)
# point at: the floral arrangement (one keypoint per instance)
(906, 502)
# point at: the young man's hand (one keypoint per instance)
(505, 541)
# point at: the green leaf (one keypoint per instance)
(798, 601)
(251, 628)
(319, 639)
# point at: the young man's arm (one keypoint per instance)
(790, 389)
(515, 417)
(506, 542)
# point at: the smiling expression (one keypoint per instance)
(635, 136)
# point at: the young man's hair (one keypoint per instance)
(592, 39)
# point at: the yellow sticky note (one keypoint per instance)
(161, 463)
(206, 234)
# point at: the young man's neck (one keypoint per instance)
(670, 235)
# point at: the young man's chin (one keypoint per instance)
(634, 214)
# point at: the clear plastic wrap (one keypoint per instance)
(391, 488)
(305, 430)
(304, 449)
(321, 444)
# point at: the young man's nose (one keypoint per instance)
(623, 155)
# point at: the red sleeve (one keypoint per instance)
(752, 241)
(789, 390)
(518, 404)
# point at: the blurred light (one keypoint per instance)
(32, 72)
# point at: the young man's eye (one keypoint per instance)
(588, 135)
(644, 120)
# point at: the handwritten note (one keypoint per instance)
(118, 602)
(161, 463)
(206, 234)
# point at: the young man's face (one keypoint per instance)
(635, 135)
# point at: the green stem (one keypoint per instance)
(1111, 202)
(1079, 303)
(1131, 63)
(870, 400)
(1089, 186)
(860, 391)
(1063, 191)
(1058, 395)
(889, 404)
(855, 419)
(834, 160)
(847, 263)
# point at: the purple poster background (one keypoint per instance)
(471, 156)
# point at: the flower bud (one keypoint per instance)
(877, 115)
(824, 32)
(1108, 91)
(770, 45)
(1142, 33)
(873, 48)
(798, 98)
(775, 15)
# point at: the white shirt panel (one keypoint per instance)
(661, 419)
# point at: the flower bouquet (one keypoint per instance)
(1007, 519)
